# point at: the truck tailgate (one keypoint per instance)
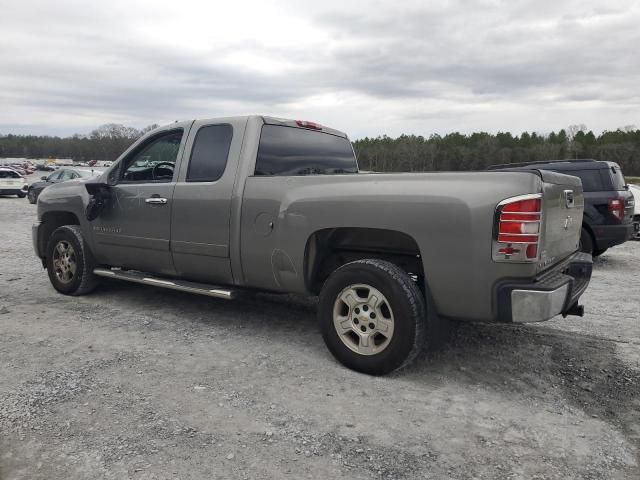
(562, 207)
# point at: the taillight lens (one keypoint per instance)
(616, 208)
(518, 229)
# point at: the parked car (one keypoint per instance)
(19, 168)
(635, 190)
(45, 167)
(219, 206)
(61, 175)
(12, 183)
(609, 205)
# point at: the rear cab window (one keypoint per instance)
(591, 179)
(287, 150)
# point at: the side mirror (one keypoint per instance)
(100, 196)
(113, 175)
(96, 188)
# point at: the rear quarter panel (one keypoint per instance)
(449, 215)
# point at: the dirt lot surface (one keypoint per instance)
(143, 383)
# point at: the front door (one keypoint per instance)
(133, 231)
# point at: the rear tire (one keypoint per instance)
(586, 241)
(69, 262)
(372, 316)
(597, 252)
(32, 196)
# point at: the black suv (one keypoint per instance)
(608, 209)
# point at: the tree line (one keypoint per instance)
(476, 151)
(406, 153)
(106, 142)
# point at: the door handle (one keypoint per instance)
(156, 200)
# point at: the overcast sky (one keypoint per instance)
(368, 68)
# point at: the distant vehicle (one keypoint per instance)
(12, 183)
(45, 167)
(635, 190)
(608, 203)
(18, 168)
(59, 176)
(63, 162)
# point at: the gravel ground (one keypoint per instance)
(143, 383)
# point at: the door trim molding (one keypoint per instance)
(193, 248)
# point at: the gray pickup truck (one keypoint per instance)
(225, 205)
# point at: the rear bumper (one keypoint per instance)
(610, 235)
(554, 292)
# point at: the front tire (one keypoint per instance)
(32, 196)
(69, 262)
(372, 316)
(21, 195)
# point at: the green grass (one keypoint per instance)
(634, 180)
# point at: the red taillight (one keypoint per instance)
(518, 229)
(520, 216)
(616, 208)
(523, 206)
(306, 124)
(509, 251)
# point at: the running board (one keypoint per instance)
(180, 285)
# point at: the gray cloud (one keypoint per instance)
(372, 67)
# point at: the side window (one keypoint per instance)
(209, 153)
(54, 177)
(154, 160)
(616, 177)
(66, 175)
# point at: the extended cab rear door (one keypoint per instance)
(202, 200)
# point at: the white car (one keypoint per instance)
(12, 183)
(635, 189)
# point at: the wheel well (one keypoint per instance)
(330, 248)
(51, 221)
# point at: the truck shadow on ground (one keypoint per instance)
(526, 360)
